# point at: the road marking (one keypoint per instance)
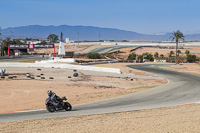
(29, 111)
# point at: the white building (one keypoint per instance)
(33, 42)
(67, 40)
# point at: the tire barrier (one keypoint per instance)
(51, 78)
(38, 75)
(41, 74)
(2, 72)
(75, 70)
(14, 76)
(2, 77)
(39, 69)
(69, 77)
(32, 77)
(75, 74)
(42, 77)
(10, 77)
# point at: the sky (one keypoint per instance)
(143, 16)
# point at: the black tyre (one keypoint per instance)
(50, 108)
(67, 106)
(75, 74)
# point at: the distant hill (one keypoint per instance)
(88, 33)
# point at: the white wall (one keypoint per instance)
(56, 65)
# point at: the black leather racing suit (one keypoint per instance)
(55, 99)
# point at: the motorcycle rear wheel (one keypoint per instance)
(67, 106)
(50, 108)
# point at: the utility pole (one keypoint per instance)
(11, 34)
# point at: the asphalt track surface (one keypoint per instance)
(181, 89)
(107, 49)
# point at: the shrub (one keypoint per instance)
(149, 56)
(156, 54)
(94, 56)
(178, 52)
(132, 56)
(171, 53)
(187, 52)
(191, 58)
(140, 58)
(162, 55)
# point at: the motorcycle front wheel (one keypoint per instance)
(67, 106)
(50, 108)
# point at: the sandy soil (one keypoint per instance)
(192, 68)
(124, 52)
(184, 118)
(68, 48)
(181, 119)
(22, 93)
(164, 51)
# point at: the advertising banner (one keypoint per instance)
(30, 46)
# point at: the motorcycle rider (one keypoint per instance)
(54, 98)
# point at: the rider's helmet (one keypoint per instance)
(49, 92)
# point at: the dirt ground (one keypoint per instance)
(180, 119)
(22, 93)
(184, 118)
(68, 48)
(163, 50)
(192, 68)
(124, 52)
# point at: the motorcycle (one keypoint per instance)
(62, 105)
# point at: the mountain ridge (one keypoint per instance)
(82, 33)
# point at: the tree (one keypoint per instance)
(149, 56)
(6, 42)
(43, 42)
(52, 38)
(187, 52)
(16, 41)
(140, 58)
(162, 56)
(156, 54)
(132, 56)
(177, 35)
(171, 53)
(179, 52)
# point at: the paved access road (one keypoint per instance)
(182, 89)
